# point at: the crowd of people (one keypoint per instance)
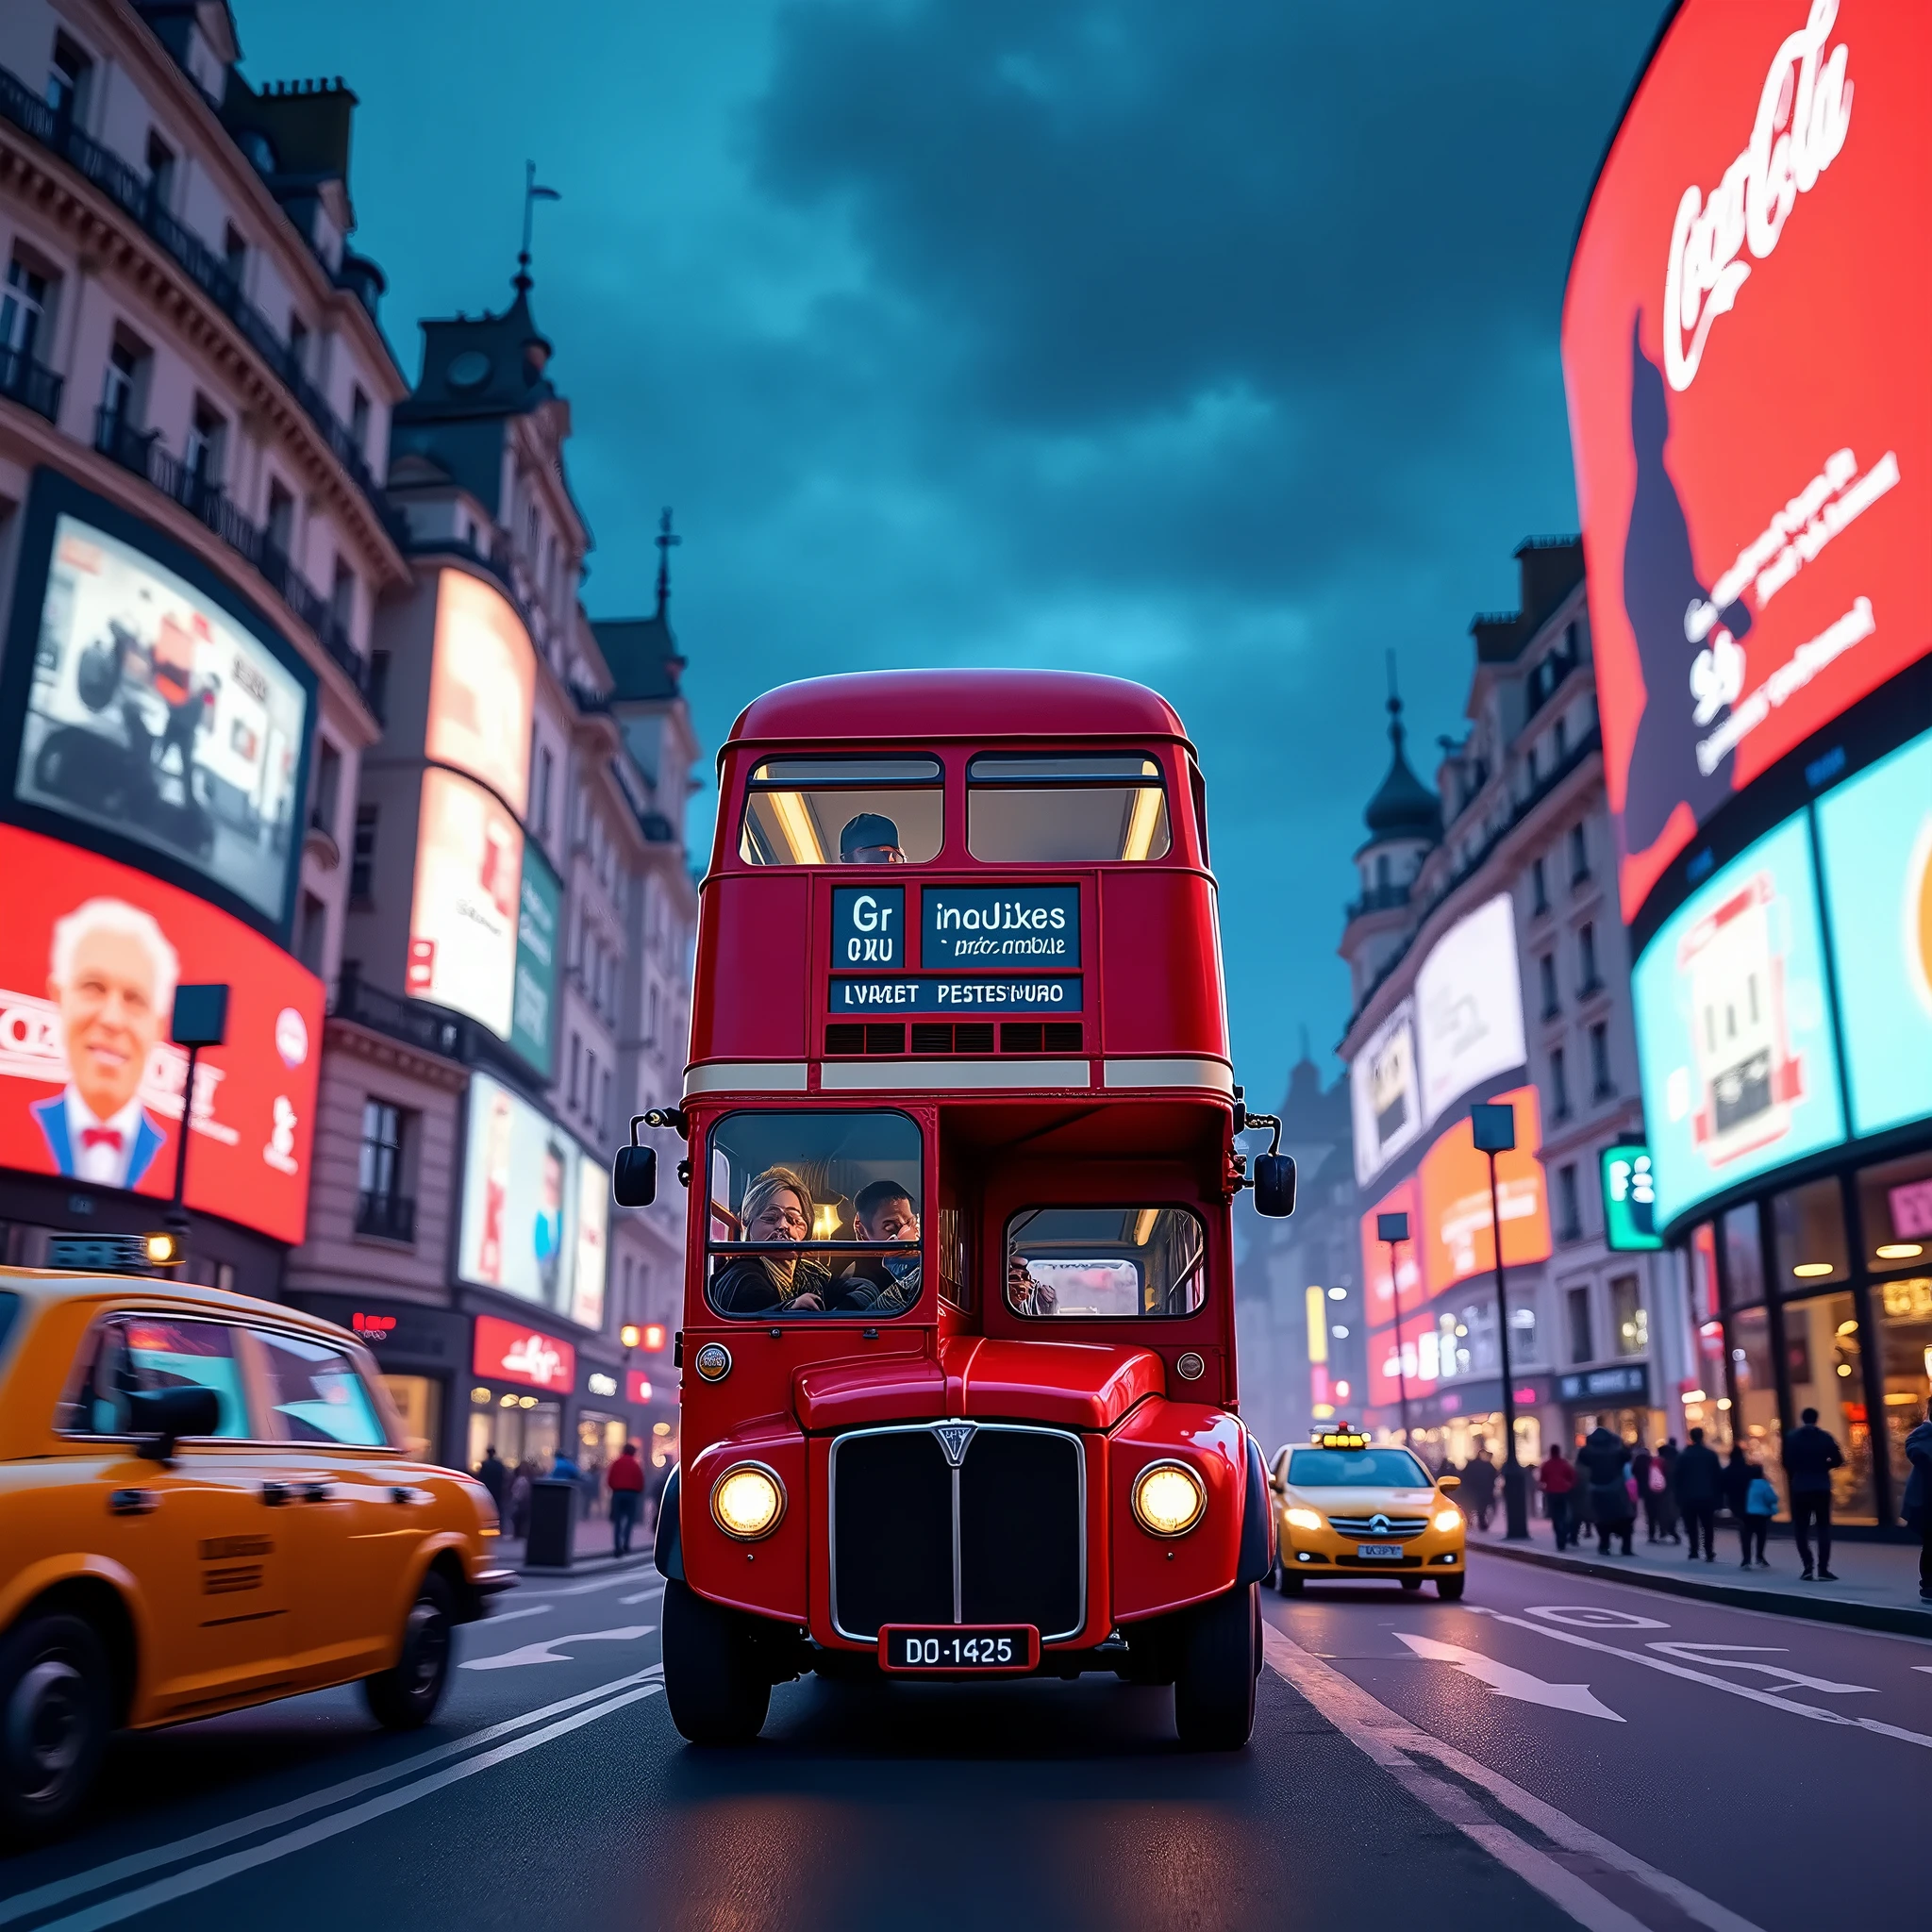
(631, 1493)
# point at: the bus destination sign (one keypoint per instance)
(1035, 926)
(868, 926)
(962, 992)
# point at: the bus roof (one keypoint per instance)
(925, 705)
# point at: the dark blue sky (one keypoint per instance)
(1215, 346)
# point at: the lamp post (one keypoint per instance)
(201, 1019)
(1393, 1229)
(1493, 1124)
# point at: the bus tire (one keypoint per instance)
(717, 1694)
(1214, 1688)
(54, 1722)
(1449, 1587)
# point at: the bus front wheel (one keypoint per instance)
(713, 1683)
(1214, 1687)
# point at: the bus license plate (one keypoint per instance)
(1383, 1550)
(951, 1647)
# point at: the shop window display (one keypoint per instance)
(1903, 1307)
(1743, 1274)
(1824, 1348)
(1895, 1213)
(1809, 1230)
(1755, 1422)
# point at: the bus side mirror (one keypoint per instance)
(634, 1177)
(1275, 1185)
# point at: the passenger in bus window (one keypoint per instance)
(777, 1210)
(883, 1212)
(1024, 1295)
(871, 839)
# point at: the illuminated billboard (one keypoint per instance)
(1385, 1093)
(1750, 398)
(482, 678)
(159, 720)
(540, 909)
(1733, 1031)
(464, 918)
(92, 1088)
(1456, 1227)
(532, 1225)
(1378, 1285)
(1875, 836)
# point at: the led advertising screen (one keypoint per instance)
(91, 1085)
(1750, 398)
(527, 1226)
(480, 683)
(1874, 836)
(1733, 1033)
(1468, 1006)
(1377, 1283)
(465, 917)
(1385, 1093)
(540, 909)
(1457, 1228)
(1629, 1184)
(157, 715)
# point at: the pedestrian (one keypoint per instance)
(494, 1475)
(1736, 1483)
(520, 1498)
(1918, 1507)
(1699, 1482)
(1666, 1494)
(563, 1467)
(655, 1485)
(1760, 1505)
(1557, 1477)
(1601, 1464)
(1479, 1485)
(625, 1479)
(1811, 1455)
(1642, 1462)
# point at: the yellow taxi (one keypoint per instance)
(1348, 1509)
(204, 1504)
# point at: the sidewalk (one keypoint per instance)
(1877, 1584)
(591, 1549)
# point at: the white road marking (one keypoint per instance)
(96, 1878)
(1815, 1712)
(511, 1616)
(199, 1877)
(1701, 1654)
(1595, 1617)
(1391, 1740)
(644, 1596)
(548, 1652)
(1507, 1681)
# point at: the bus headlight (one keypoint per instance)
(1299, 1518)
(1447, 1520)
(748, 1501)
(1168, 1499)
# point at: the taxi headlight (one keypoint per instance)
(1168, 1499)
(1448, 1518)
(748, 1501)
(1299, 1518)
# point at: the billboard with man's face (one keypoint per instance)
(1751, 399)
(156, 715)
(92, 1088)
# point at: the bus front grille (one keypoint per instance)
(992, 1532)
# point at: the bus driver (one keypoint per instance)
(777, 1208)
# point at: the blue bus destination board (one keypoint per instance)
(1000, 926)
(868, 926)
(976, 992)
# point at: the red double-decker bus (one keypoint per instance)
(958, 1384)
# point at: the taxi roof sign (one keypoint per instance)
(1341, 1436)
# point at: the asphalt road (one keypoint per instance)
(1550, 1752)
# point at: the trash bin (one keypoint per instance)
(552, 1524)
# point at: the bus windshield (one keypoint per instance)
(815, 1214)
(844, 811)
(1067, 809)
(1105, 1263)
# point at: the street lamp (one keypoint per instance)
(1393, 1229)
(201, 1019)
(1492, 1123)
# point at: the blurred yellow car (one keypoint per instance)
(1346, 1509)
(204, 1504)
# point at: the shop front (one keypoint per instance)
(1616, 1398)
(420, 1353)
(522, 1381)
(1451, 1423)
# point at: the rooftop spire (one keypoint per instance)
(532, 194)
(666, 540)
(1404, 808)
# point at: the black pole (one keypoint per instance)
(1401, 1376)
(1515, 1503)
(177, 1222)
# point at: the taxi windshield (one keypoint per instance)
(815, 1214)
(843, 812)
(1356, 1469)
(1105, 1264)
(1066, 808)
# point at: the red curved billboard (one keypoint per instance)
(91, 1085)
(1751, 398)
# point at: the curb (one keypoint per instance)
(1900, 1619)
(586, 1566)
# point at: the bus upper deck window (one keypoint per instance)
(1066, 808)
(843, 812)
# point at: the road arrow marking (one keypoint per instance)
(1506, 1680)
(1797, 1680)
(548, 1653)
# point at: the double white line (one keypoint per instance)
(473, 1754)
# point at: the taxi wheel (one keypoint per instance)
(1214, 1689)
(54, 1722)
(1289, 1582)
(717, 1692)
(1449, 1587)
(404, 1698)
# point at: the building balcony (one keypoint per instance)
(140, 451)
(133, 194)
(408, 1020)
(1378, 899)
(24, 380)
(386, 1217)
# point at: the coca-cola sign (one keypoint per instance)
(1750, 398)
